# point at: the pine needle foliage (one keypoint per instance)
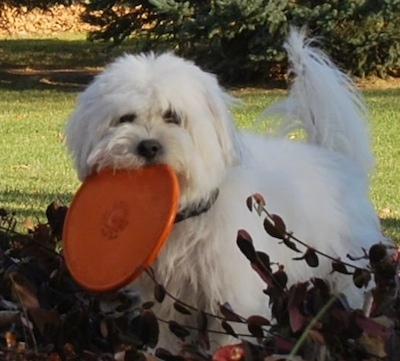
(241, 40)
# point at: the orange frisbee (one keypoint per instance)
(117, 223)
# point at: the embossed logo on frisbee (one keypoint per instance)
(115, 220)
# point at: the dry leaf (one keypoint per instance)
(373, 345)
(283, 358)
(11, 340)
(24, 295)
(21, 166)
(229, 353)
(28, 224)
(42, 318)
(8, 317)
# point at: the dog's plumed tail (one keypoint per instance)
(325, 103)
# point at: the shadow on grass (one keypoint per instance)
(67, 65)
(384, 93)
(30, 204)
(58, 80)
(391, 227)
(53, 64)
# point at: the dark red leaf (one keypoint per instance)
(258, 203)
(149, 328)
(274, 293)
(228, 329)
(258, 320)
(178, 330)
(245, 244)
(181, 308)
(377, 252)
(339, 267)
(279, 223)
(290, 244)
(249, 203)
(309, 256)
(259, 199)
(280, 277)
(272, 230)
(283, 344)
(263, 273)
(264, 260)
(256, 331)
(159, 292)
(147, 305)
(163, 354)
(280, 311)
(321, 285)
(296, 318)
(228, 313)
(297, 293)
(361, 277)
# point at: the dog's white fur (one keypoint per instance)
(319, 187)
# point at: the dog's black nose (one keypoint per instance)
(149, 148)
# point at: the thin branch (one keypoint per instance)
(151, 275)
(260, 208)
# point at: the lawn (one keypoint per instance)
(39, 81)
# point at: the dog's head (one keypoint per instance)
(149, 109)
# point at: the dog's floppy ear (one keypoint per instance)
(219, 103)
(78, 140)
(85, 127)
(87, 124)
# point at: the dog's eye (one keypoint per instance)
(171, 117)
(127, 118)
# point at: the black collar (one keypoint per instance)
(198, 208)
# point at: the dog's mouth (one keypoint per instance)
(150, 152)
(147, 152)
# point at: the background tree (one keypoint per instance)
(241, 40)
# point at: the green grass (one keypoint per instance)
(385, 189)
(34, 165)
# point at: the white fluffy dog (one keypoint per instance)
(148, 109)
